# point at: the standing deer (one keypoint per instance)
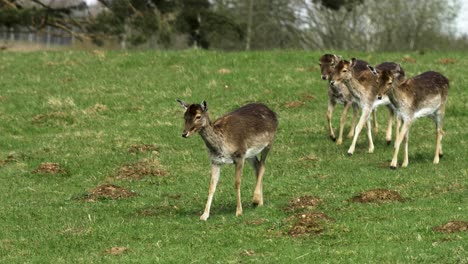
(233, 138)
(423, 95)
(339, 94)
(362, 85)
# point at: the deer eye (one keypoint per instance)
(345, 71)
(197, 117)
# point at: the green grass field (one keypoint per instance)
(73, 121)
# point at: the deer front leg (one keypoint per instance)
(331, 106)
(215, 171)
(239, 167)
(374, 121)
(405, 157)
(364, 117)
(353, 121)
(388, 134)
(342, 122)
(401, 135)
(369, 137)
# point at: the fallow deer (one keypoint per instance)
(339, 94)
(423, 95)
(362, 85)
(233, 138)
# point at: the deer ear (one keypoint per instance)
(373, 70)
(204, 106)
(337, 58)
(353, 62)
(184, 105)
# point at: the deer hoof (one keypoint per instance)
(389, 142)
(393, 167)
(204, 217)
(333, 138)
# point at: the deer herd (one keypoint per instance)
(249, 131)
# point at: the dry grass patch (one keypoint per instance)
(452, 227)
(108, 191)
(139, 148)
(447, 61)
(377, 196)
(140, 169)
(116, 250)
(294, 104)
(49, 168)
(224, 71)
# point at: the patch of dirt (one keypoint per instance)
(377, 196)
(447, 61)
(10, 159)
(308, 97)
(116, 250)
(224, 71)
(303, 202)
(57, 116)
(409, 59)
(452, 227)
(294, 104)
(309, 158)
(49, 168)
(108, 191)
(309, 224)
(140, 169)
(138, 148)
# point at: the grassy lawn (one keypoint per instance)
(93, 167)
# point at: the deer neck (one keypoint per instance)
(212, 138)
(352, 85)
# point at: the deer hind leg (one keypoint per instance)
(364, 117)
(215, 171)
(353, 121)
(440, 134)
(239, 167)
(260, 170)
(342, 122)
(388, 134)
(331, 106)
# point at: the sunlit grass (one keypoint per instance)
(88, 110)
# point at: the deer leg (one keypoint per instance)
(239, 166)
(353, 121)
(331, 106)
(440, 133)
(215, 171)
(391, 117)
(364, 117)
(369, 137)
(342, 122)
(397, 127)
(405, 157)
(401, 135)
(374, 121)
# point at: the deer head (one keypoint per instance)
(385, 79)
(327, 63)
(343, 71)
(196, 117)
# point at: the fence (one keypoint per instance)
(47, 36)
